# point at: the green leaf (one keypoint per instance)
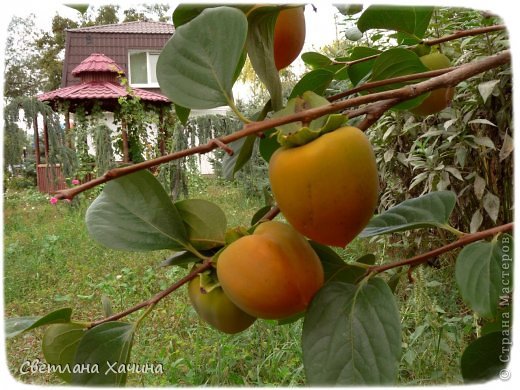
(481, 273)
(316, 81)
(59, 346)
(268, 145)
(335, 269)
(260, 48)
(81, 8)
(135, 213)
(358, 72)
(15, 326)
(197, 65)
(205, 223)
(411, 20)
(394, 63)
(484, 358)
(352, 335)
(430, 210)
(183, 13)
(243, 147)
(182, 113)
(315, 60)
(242, 152)
(259, 214)
(106, 346)
(180, 259)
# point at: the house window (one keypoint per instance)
(142, 68)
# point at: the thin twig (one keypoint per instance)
(433, 42)
(451, 78)
(394, 80)
(422, 258)
(156, 298)
(464, 33)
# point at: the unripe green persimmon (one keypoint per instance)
(289, 36)
(216, 309)
(272, 273)
(440, 98)
(327, 189)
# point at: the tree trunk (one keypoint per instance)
(36, 141)
(124, 138)
(46, 139)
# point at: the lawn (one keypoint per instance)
(50, 262)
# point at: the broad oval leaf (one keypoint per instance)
(484, 358)
(268, 144)
(205, 223)
(260, 49)
(394, 63)
(315, 60)
(316, 81)
(352, 335)
(15, 326)
(360, 71)
(483, 273)
(135, 213)
(59, 345)
(180, 259)
(335, 269)
(106, 346)
(242, 152)
(197, 65)
(430, 210)
(410, 20)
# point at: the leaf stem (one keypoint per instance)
(453, 230)
(148, 310)
(237, 112)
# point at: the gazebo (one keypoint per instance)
(100, 84)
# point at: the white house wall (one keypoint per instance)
(203, 160)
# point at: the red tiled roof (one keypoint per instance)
(97, 62)
(130, 28)
(99, 90)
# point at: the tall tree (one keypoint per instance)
(50, 47)
(22, 75)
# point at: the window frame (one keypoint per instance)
(148, 52)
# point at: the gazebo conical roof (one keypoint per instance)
(99, 82)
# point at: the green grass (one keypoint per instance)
(50, 262)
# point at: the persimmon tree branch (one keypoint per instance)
(450, 78)
(435, 41)
(464, 33)
(156, 298)
(395, 80)
(462, 241)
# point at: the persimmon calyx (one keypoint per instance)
(300, 133)
(208, 282)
